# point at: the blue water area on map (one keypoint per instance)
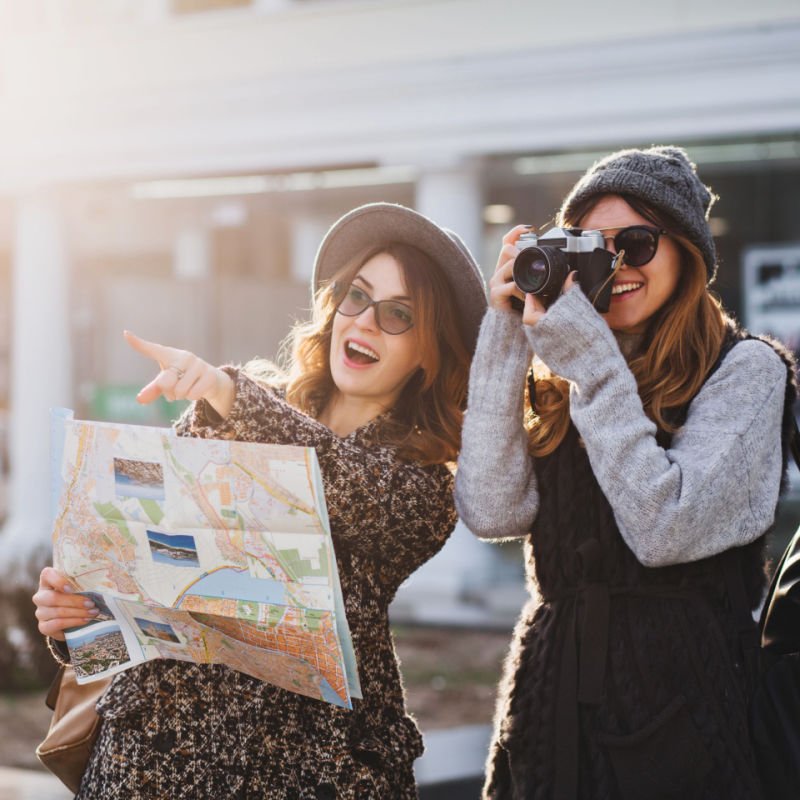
(329, 694)
(240, 585)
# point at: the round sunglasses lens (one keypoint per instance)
(394, 317)
(353, 303)
(639, 245)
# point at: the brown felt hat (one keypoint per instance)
(377, 224)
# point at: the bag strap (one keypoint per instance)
(55, 688)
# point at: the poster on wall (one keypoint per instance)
(771, 288)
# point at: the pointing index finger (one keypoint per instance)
(158, 352)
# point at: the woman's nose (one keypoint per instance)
(366, 319)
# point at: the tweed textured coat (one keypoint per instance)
(177, 730)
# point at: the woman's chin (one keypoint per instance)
(625, 323)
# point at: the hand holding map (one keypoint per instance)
(57, 608)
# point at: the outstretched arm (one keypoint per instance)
(397, 511)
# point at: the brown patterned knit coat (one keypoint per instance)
(177, 730)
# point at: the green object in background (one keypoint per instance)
(118, 404)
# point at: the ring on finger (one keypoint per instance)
(177, 370)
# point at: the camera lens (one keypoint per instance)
(540, 270)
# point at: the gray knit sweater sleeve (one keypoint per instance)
(717, 485)
(495, 483)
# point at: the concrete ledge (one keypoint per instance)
(28, 784)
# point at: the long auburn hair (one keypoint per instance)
(681, 344)
(425, 422)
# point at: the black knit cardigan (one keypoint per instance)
(623, 681)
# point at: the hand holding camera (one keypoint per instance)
(545, 261)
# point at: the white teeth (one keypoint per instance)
(359, 348)
(625, 287)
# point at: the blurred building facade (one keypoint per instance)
(169, 166)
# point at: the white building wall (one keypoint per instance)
(329, 83)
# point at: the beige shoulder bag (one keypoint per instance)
(73, 730)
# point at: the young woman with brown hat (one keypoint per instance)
(377, 385)
(643, 473)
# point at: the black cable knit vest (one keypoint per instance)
(624, 681)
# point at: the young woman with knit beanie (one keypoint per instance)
(643, 472)
(378, 386)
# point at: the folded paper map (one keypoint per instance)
(201, 550)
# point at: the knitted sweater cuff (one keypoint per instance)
(202, 419)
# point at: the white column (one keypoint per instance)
(458, 584)
(451, 194)
(307, 231)
(41, 369)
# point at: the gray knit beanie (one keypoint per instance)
(663, 177)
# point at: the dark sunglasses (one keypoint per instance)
(391, 316)
(639, 242)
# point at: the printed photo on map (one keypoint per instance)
(138, 479)
(157, 630)
(175, 549)
(100, 648)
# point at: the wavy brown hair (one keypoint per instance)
(425, 422)
(681, 344)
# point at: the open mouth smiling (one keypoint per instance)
(626, 288)
(360, 353)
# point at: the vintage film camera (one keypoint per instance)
(545, 261)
